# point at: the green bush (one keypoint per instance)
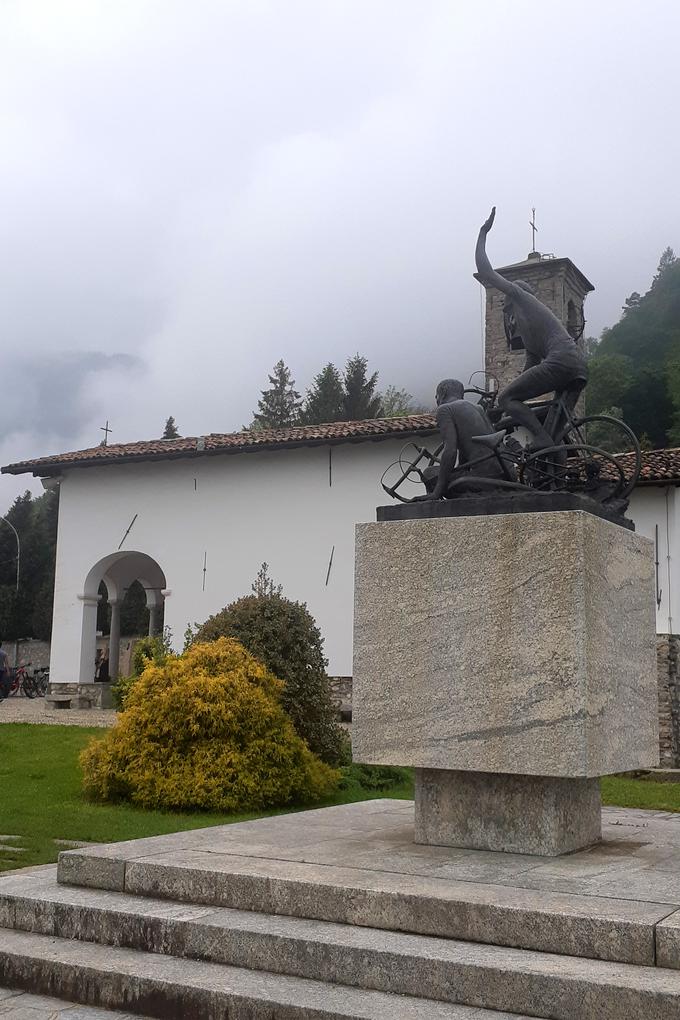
(283, 635)
(205, 730)
(378, 778)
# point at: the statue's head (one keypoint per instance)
(449, 389)
(523, 285)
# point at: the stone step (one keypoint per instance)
(19, 1005)
(446, 970)
(596, 927)
(166, 987)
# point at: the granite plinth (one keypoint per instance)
(521, 644)
(539, 815)
(532, 501)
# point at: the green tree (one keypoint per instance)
(28, 611)
(324, 400)
(170, 430)
(396, 403)
(631, 302)
(590, 345)
(360, 400)
(636, 365)
(610, 378)
(667, 261)
(279, 406)
(283, 635)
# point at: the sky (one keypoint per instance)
(190, 191)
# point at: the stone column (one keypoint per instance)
(88, 640)
(154, 618)
(510, 659)
(114, 639)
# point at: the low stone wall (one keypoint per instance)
(22, 652)
(341, 692)
(667, 652)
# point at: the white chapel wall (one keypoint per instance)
(286, 507)
(653, 506)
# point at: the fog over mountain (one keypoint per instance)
(191, 191)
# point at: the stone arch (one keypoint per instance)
(118, 571)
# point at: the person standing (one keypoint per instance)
(5, 679)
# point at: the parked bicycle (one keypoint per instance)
(41, 680)
(593, 455)
(22, 683)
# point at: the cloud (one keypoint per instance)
(51, 395)
(209, 188)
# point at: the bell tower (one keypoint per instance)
(559, 284)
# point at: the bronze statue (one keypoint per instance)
(459, 422)
(554, 360)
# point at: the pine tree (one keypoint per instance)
(279, 406)
(360, 400)
(667, 261)
(324, 398)
(170, 431)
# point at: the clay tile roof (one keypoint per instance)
(659, 467)
(231, 442)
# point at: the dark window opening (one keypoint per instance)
(515, 342)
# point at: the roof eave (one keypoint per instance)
(51, 468)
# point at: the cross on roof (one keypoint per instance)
(534, 229)
(105, 429)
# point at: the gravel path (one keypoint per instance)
(18, 709)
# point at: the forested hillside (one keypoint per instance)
(635, 366)
(28, 611)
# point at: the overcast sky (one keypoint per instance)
(191, 190)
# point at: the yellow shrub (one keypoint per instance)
(205, 730)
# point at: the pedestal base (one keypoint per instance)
(511, 813)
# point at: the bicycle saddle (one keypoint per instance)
(493, 441)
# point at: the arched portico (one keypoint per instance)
(118, 571)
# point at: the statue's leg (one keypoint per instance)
(430, 476)
(533, 383)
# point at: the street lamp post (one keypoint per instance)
(16, 535)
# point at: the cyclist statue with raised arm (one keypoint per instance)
(554, 360)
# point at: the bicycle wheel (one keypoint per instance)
(611, 436)
(586, 470)
(28, 687)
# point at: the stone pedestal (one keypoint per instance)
(514, 645)
(516, 814)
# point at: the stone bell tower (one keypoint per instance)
(557, 283)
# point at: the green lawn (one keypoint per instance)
(640, 793)
(40, 798)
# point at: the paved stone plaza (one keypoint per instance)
(337, 913)
(638, 861)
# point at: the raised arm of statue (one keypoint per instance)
(488, 276)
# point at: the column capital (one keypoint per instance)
(90, 600)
